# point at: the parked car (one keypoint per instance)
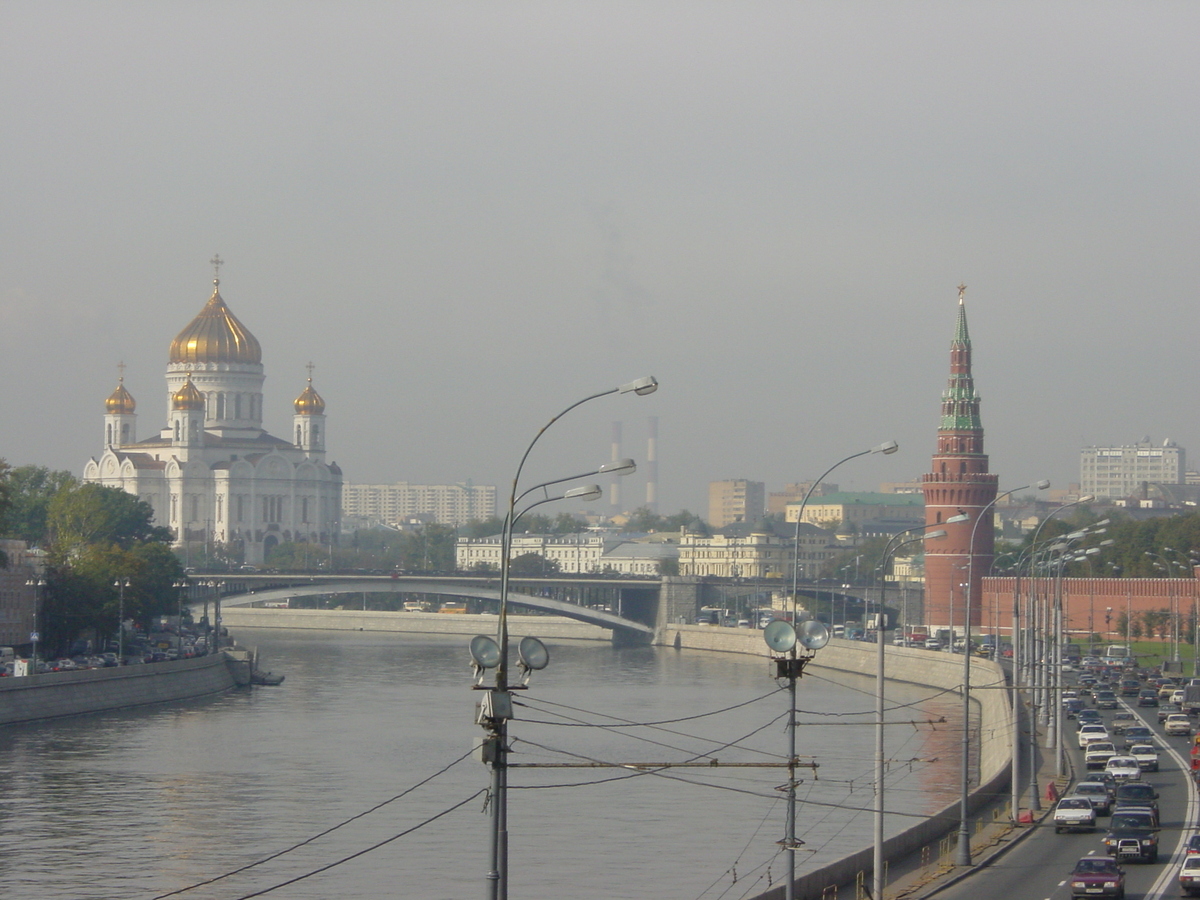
(1132, 836)
(1074, 814)
(1146, 755)
(1189, 875)
(1097, 876)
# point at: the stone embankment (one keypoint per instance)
(938, 670)
(56, 694)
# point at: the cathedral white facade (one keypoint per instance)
(213, 474)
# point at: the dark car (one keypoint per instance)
(1106, 700)
(1147, 697)
(1097, 876)
(1138, 734)
(1072, 707)
(1130, 687)
(1089, 717)
(1132, 836)
(1137, 793)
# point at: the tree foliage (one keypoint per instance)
(89, 514)
(26, 492)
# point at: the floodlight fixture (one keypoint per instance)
(812, 635)
(640, 386)
(584, 492)
(780, 636)
(618, 467)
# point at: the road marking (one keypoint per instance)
(1167, 878)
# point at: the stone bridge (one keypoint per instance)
(635, 609)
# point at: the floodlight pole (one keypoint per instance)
(789, 841)
(497, 743)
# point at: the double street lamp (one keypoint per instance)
(120, 584)
(35, 635)
(496, 708)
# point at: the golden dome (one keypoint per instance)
(309, 403)
(215, 336)
(187, 397)
(120, 402)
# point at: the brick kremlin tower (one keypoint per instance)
(958, 482)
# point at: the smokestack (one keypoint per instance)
(652, 465)
(615, 491)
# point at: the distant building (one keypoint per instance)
(1125, 471)
(447, 504)
(733, 501)
(857, 508)
(575, 554)
(17, 595)
(777, 501)
(741, 551)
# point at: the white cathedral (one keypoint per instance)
(213, 475)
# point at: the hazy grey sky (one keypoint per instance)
(469, 215)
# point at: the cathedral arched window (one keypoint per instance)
(177, 431)
(316, 433)
(237, 406)
(221, 405)
(297, 435)
(125, 433)
(109, 439)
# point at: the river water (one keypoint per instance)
(138, 804)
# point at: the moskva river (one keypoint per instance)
(355, 779)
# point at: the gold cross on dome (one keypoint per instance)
(121, 369)
(962, 289)
(216, 262)
(310, 368)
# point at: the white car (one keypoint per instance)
(1189, 875)
(1097, 754)
(1123, 768)
(1178, 724)
(1146, 756)
(1091, 733)
(1074, 813)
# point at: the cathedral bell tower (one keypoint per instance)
(120, 420)
(959, 482)
(309, 421)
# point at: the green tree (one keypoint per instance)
(30, 490)
(94, 514)
(481, 528)
(533, 565)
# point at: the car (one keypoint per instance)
(1106, 700)
(1163, 712)
(1132, 836)
(1130, 687)
(1121, 721)
(1178, 724)
(1072, 707)
(1069, 695)
(1137, 793)
(1090, 717)
(1097, 754)
(1189, 875)
(1147, 697)
(1089, 734)
(1097, 793)
(1097, 876)
(1177, 697)
(1074, 814)
(1122, 768)
(1192, 845)
(1146, 755)
(933, 644)
(1138, 734)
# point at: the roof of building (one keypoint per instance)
(215, 336)
(865, 498)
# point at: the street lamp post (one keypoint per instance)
(888, 552)
(498, 701)
(964, 835)
(120, 584)
(180, 586)
(789, 842)
(37, 584)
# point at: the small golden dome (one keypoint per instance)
(309, 403)
(215, 336)
(187, 397)
(120, 402)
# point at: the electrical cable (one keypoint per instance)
(320, 834)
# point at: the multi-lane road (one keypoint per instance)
(1038, 866)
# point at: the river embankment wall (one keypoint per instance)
(54, 695)
(943, 671)
(544, 627)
